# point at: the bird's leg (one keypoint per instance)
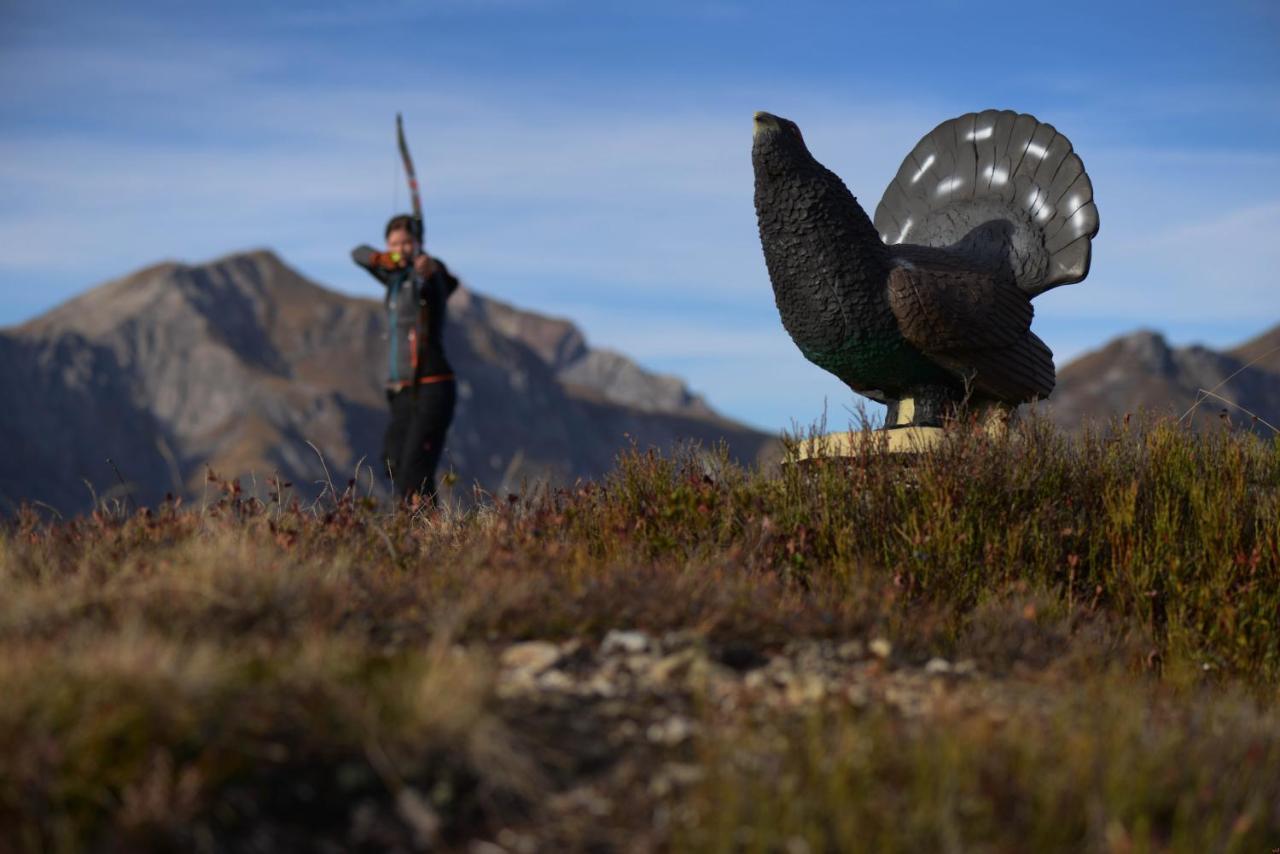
(923, 406)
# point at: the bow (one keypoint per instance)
(419, 227)
(418, 335)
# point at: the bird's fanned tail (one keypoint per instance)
(1001, 188)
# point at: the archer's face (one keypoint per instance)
(401, 241)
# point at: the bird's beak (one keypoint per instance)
(765, 122)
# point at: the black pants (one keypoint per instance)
(415, 436)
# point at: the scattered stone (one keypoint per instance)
(600, 685)
(583, 798)
(641, 699)
(639, 662)
(532, 657)
(556, 680)
(670, 732)
(805, 688)
(628, 642)
(851, 650)
(570, 647)
(672, 666)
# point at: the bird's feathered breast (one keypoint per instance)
(826, 262)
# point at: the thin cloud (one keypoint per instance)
(622, 201)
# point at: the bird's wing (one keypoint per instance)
(975, 323)
(942, 307)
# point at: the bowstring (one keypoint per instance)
(395, 184)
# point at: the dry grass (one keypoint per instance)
(1099, 765)
(249, 673)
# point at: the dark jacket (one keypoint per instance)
(415, 319)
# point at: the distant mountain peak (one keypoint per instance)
(1150, 349)
(242, 364)
(1142, 371)
(1262, 351)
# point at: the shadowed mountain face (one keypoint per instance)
(241, 365)
(1142, 372)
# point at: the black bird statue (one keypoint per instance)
(929, 308)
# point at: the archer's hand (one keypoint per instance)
(424, 265)
(387, 260)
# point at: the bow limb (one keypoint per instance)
(419, 225)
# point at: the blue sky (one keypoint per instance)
(591, 159)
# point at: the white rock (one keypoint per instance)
(600, 685)
(531, 656)
(638, 662)
(583, 798)
(880, 648)
(629, 642)
(556, 680)
(670, 732)
(937, 666)
(851, 650)
(806, 688)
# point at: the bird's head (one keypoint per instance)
(777, 143)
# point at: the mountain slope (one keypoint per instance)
(242, 364)
(1261, 352)
(1141, 371)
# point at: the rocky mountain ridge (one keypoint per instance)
(1143, 372)
(244, 366)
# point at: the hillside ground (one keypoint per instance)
(1035, 643)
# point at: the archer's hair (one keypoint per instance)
(398, 222)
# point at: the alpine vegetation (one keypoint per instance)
(1025, 642)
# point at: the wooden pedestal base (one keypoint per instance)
(898, 440)
(901, 438)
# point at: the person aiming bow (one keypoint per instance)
(421, 389)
